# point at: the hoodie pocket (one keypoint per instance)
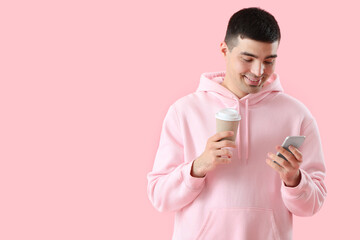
(239, 224)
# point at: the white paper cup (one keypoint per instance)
(228, 119)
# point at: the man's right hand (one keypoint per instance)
(215, 153)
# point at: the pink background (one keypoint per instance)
(85, 86)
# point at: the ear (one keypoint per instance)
(224, 48)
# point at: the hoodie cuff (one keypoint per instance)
(191, 182)
(295, 192)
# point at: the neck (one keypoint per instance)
(226, 84)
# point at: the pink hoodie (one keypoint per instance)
(245, 199)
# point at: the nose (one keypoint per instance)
(257, 69)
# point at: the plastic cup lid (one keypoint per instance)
(228, 114)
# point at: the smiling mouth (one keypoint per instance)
(251, 82)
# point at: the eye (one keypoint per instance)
(269, 62)
(247, 60)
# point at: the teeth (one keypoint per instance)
(252, 80)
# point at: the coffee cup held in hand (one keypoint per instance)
(227, 119)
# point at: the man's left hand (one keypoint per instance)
(288, 170)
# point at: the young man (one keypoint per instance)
(226, 190)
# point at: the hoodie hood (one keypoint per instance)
(211, 82)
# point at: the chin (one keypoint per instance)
(254, 89)
(251, 89)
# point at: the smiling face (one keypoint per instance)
(248, 65)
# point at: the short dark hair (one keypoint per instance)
(253, 23)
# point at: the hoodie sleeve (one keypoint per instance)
(307, 198)
(170, 185)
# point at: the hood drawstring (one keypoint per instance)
(246, 120)
(247, 129)
(239, 133)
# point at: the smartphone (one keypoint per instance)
(296, 141)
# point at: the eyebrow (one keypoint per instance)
(252, 55)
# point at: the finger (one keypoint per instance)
(291, 158)
(296, 152)
(279, 160)
(288, 155)
(225, 143)
(224, 152)
(220, 135)
(274, 165)
(222, 160)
